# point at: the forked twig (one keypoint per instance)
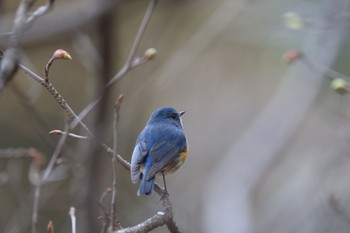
(128, 65)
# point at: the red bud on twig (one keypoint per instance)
(291, 56)
(61, 54)
(50, 228)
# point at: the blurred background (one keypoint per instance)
(268, 141)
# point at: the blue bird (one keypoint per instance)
(161, 148)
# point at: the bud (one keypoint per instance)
(56, 132)
(293, 21)
(290, 56)
(150, 53)
(340, 86)
(61, 54)
(50, 227)
(38, 158)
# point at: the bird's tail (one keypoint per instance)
(146, 186)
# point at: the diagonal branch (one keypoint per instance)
(11, 57)
(38, 12)
(128, 65)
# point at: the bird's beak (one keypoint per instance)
(181, 113)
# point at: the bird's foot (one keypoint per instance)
(164, 194)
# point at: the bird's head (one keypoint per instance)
(167, 114)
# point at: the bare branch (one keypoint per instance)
(159, 219)
(39, 12)
(46, 174)
(104, 213)
(136, 43)
(15, 153)
(150, 224)
(129, 64)
(60, 132)
(10, 60)
(73, 219)
(114, 167)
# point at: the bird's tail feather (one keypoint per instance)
(146, 186)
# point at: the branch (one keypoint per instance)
(67, 17)
(159, 219)
(114, 168)
(104, 213)
(11, 57)
(60, 132)
(16, 153)
(46, 174)
(38, 12)
(73, 219)
(129, 64)
(136, 43)
(152, 223)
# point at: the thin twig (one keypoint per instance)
(47, 68)
(114, 165)
(15, 153)
(107, 149)
(38, 12)
(104, 213)
(329, 72)
(73, 219)
(136, 43)
(10, 60)
(128, 65)
(11, 56)
(60, 132)
(46, 174)
(57, 152)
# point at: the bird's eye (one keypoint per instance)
(174, 116)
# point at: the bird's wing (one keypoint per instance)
(138, 156)
(162, 154)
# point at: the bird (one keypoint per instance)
(161, 148)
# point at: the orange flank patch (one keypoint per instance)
(176, 164)
(183, 154)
